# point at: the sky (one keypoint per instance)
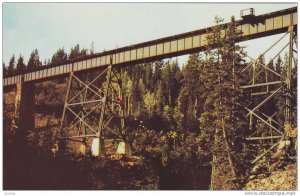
(50, 26)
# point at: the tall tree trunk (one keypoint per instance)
(228, 152)
(213, 169)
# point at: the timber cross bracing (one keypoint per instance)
(268, 83)
(186, 43)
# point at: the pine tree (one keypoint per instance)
(92, 50)
(278, 65)
(172, 81)
(11, 65)
(159, 97)
(4, 69)
(223, 121)
(294, 90)
(148, 76)
(178, 117)
(76, 53)
(175, 83)
(21, 65)
(157, 75)
(83, 53)
(167, 78)
(192, 89)
(34, 60)
(59, 57)
(136, 98)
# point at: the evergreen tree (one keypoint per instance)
(223, 121)
(157, 75)
(21, 65)
(175, 83)
(83, 53)
(4, 69)
(159, 97)
(135, 100)
(59, 57)
(167, 78)
(192, 89)
(92, 50)
(34, 60)
(76, 53)
(258, 68)
(178, 117)
(294, 90)
(148, 76)
(278, 65)
(11, 65)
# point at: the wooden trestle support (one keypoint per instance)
(266, 84)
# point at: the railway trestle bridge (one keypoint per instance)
(103, 93)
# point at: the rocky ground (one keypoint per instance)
(285, 179)
(276, 172)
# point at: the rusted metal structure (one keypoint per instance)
(102, 93)
(81, 120)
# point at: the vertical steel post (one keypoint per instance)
(121, 97)
(100, 133)
(253, 73)
(66, 103)
(82, 127)
(122, 116)
(287, 112)
(271, 130)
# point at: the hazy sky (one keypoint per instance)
(49, 26)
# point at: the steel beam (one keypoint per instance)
(264, 138)
(262, 84)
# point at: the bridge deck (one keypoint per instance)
(186, 43)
